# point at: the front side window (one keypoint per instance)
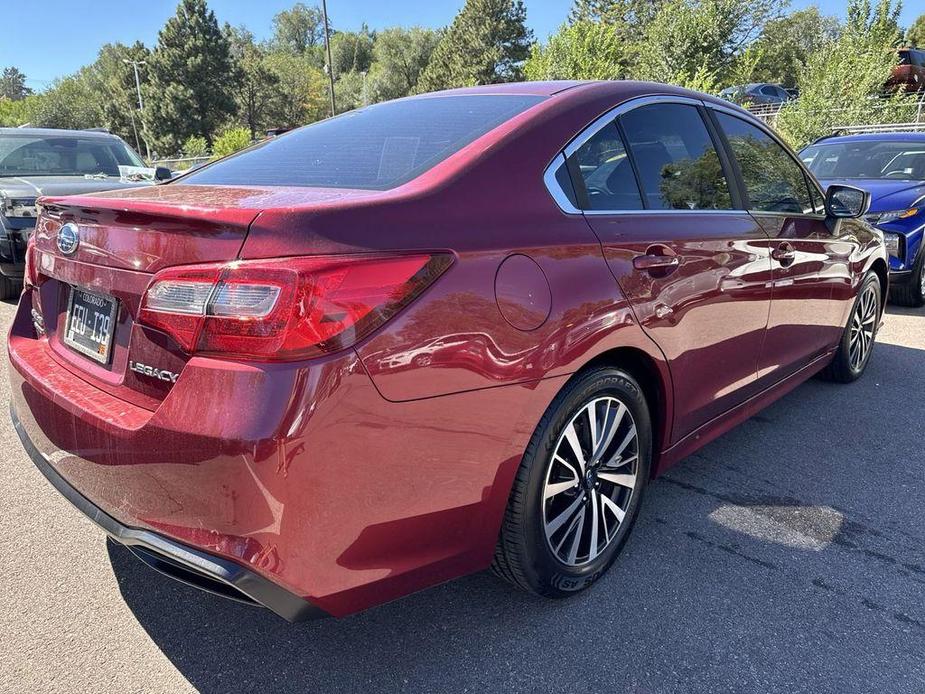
(773, 180)
(375, 148)
(677, 161)
(608, 177)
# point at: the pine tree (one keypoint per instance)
(487, 43)
(188, 74)
(13, 84)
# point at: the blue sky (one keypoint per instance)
(53, 38)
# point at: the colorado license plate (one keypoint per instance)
(91, 320)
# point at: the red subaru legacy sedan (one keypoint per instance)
(430, 336)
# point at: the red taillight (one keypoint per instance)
(286, 309)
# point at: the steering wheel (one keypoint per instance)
(899, 173)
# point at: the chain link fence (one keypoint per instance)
(769, 112)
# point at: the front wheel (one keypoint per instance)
(579, 486)
(857, 342)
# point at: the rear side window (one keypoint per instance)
(377, 147)
(773, 180)
(609, 181)
(676, 158)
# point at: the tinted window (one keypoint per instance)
(377, 147)
(35, 155)
(608, 176)
(677, 162)
(773, 180)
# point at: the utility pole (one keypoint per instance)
(141, 103)
(327, 48)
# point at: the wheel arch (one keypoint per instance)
(652, 377)
(883, 274)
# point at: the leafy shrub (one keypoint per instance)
(230, 141)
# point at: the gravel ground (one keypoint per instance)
(789, 555)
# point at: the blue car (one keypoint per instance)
(892, 167)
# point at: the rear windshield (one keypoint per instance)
(377, 147)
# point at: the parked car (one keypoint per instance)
(36, 162)
(761, 93)
(892, 167)
(220, 371)
(909, 73)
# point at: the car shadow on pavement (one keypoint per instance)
(755, 565)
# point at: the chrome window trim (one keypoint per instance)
(619, 110)
(564, 204)
(555, 190)
(745, 116)
(651, 211)
(770, 213)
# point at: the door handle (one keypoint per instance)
(655, 262)
(785, 254)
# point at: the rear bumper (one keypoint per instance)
(300, 474)
(192, 566)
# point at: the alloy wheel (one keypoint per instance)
(863, 327)
(590, 481)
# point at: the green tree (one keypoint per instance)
(71, 102)
(694, 43)
(299, 29)
(915, 34)
(786, 43)
(399, 57)
(16, 113)
(230, 141)
(195, 146)
(841, 79)
(13, 84)
(114, 81)
(349, 91)
(256, 83)
(487, 43)
(583, 50)
(188, 73)
(352, 51)
(301, 93)
(634, 13)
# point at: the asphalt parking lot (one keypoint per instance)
(789, 555)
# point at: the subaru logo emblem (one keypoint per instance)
(68, 238)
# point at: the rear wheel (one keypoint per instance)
(857, 342)
(913, 293)
(579, 486)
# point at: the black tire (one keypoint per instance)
(913, 293)
(523, 555)
(9, 288)
(843, 368)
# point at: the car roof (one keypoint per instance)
(58, 132)
(568, 89)
(872, 137)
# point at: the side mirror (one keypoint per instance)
(162, 173)
(846, 202)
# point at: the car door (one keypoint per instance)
(811, 276)
(694, 265)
